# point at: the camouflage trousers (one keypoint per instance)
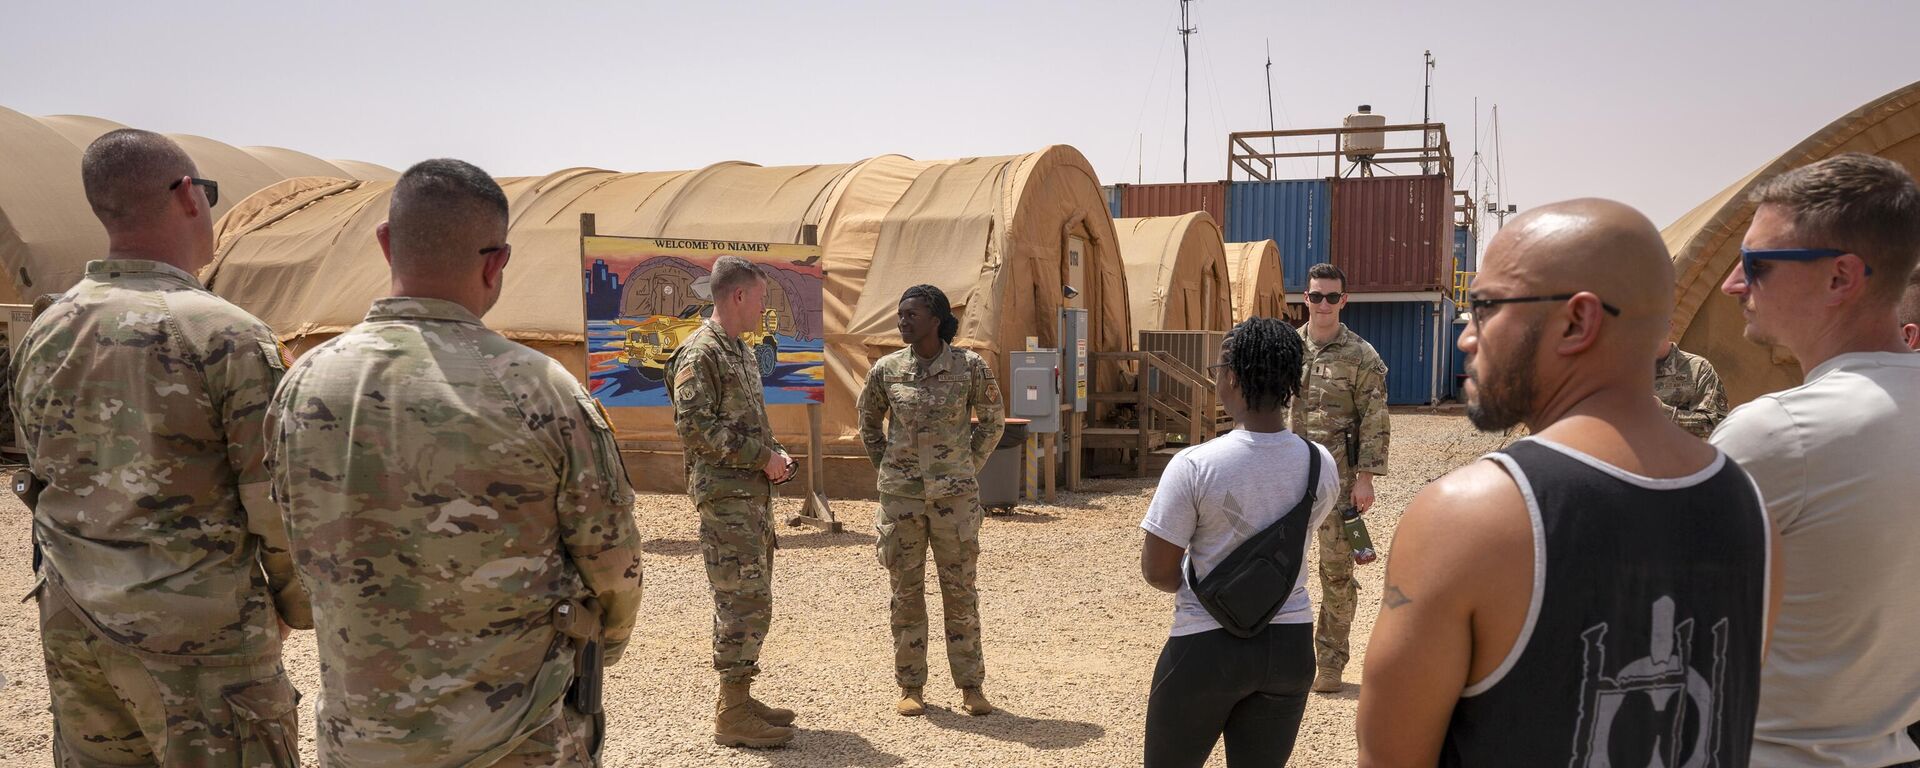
(112, 707)
(1338, 593)
(567, 742)
(737, 540)
(951, 527)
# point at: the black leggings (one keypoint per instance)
(1253, 690)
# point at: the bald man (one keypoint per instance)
(167, 586)
(1596, 592)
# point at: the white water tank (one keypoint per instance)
(1363, 145)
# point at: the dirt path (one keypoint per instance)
(1071, 637)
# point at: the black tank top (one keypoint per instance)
(1642, 645)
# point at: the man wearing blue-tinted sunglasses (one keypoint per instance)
(1822, 267)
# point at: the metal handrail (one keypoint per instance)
(1462, 281)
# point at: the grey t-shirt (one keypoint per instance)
(1215, 495)
(1832, 458)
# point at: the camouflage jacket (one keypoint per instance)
(1343, 402)
(720, 414)
(141, 396)
(930, 447)
(1690, 389)
(446, 490)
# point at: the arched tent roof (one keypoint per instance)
(290, 164)
(991, 232)
(48, 232)
(1176, 273)
(1255, 271)
(365, 171)
(1705, 244)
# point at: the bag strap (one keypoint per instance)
(1296, 527)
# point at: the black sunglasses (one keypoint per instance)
(212, 187)
(1753, 263)
(491, 250)
(1476, 307)
(1318, 297)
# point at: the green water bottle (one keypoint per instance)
(1356, 532)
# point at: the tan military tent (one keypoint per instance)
(1705, 244)
(1254, 271)
(47, 231)
(1176, 273)
(994, 233)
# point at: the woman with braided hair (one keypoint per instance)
(1213, 497)
(930, 415)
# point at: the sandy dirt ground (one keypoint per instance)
(1071, 636)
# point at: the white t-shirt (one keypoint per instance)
(1833, 459)
(1218, 494)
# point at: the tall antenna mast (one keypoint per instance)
(1272, 144)
(1186, 88)
(1426, 112)
(1479, 195)
(1499, 208)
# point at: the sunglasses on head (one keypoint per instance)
(1754, 262)
(1318, 297)
(212, 187)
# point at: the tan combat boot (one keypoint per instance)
(735, 724)
(912, 704)
(975, 702)
(773, 715)
(1328, 681)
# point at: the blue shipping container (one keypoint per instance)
(1402, 332)
(1464, 257)
(1114, 191)
(1297, 214)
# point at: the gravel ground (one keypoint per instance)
(1071, 637)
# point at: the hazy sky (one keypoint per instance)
(1660, 104)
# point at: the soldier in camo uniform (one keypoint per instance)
(166, 584)
(917, 419)
(1689, 389)
(459, 509)
(733, 461)
(1343, 406)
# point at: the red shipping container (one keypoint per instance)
(1138, 200)
(1393, 233)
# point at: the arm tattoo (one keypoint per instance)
(1395, 598)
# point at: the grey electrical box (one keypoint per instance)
(1073, 374)
(1033, 389)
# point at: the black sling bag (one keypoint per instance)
(1247, 588)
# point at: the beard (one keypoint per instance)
(1504, 397)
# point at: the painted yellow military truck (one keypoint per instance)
(651, 343)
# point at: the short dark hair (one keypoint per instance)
(1265, 355)
(1325, 271)
(1910, 300)
(730, 272)
(125, 174)
(1865, 205)
(440, 201)
(936, 300)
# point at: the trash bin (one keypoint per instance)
(1000, 479)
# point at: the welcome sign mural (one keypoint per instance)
(645, 296)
